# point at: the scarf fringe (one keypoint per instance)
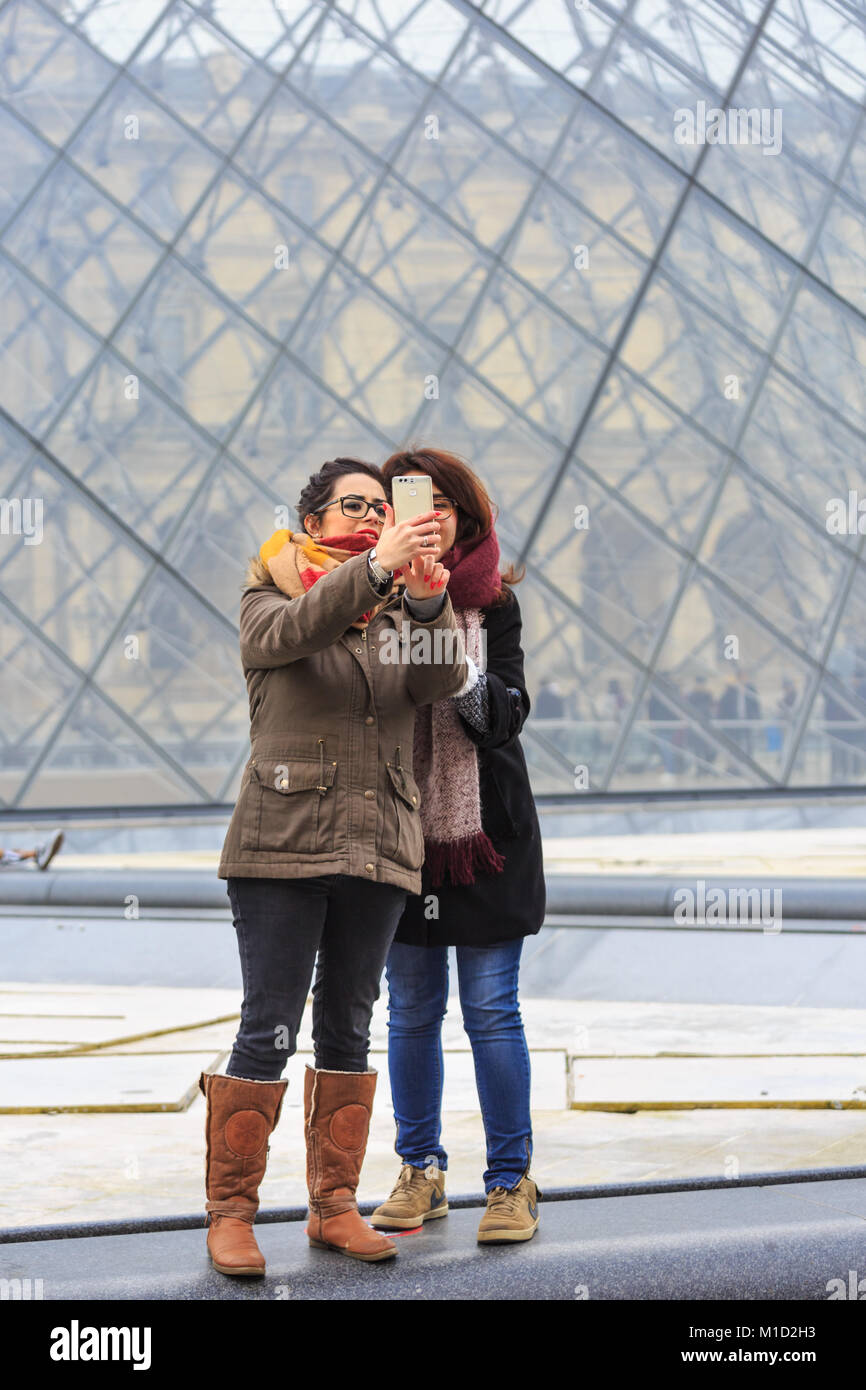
(461, 859)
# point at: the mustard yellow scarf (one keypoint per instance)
(295, 561)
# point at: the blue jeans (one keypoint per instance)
(487, 980)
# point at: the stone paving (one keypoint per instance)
(101, 1164)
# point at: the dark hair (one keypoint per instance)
(454, 478)
(315, 494)
(321, 485)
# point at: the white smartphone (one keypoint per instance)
(410, 496)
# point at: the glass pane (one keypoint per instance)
(461, 169)
(468, 418)
(700, 367)
(828, 35)
(727, 269)
(286, 152)
(619, 573)
(839, 257)
(15, 452)
(38, 685)
(817, 120)
(294, 425)
(423, 35)
(192, 345)
(754, 685)
(788, 571)
(369, 357)
(580, 688)
(99, 758)
(566, 255)
(516, 101)
(825, 344)
(646, 89)
(421, 263)
(42, 351)
(833, 747)
(708, 39)
(25, 158)
(112, 26)
(202, 76)
(274, 30)
(776, 179)
(255, 254)
(48, 75)
(650, 456)
(364, 90)
(617, 178)
(232, 517)
(811, 455)
(181, 689)
(106, 432)
(832, 750)
(82, 247)
(73, 585)
(671, 744)
(144, 158)
(570, 40)
(532, 357)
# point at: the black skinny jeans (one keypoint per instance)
(341, 924)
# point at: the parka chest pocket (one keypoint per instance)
(403, 838)
(290, 804)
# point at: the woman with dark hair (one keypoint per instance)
(482, 883)
(324, 843)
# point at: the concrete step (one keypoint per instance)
(800, 1241)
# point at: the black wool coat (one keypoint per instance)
(496, 907)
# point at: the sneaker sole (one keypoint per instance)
(353, 1254)
(399, 1223)
(506, 1237)
(55, 845)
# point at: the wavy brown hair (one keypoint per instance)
(453, 477)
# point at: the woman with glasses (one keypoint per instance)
(482, 884)
(324, 843)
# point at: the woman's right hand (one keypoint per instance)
(403, 541)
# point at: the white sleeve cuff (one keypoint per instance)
(471, 679)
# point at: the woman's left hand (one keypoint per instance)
(424, 577)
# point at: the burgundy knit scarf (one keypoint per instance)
(445, 759)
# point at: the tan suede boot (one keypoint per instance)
(337, 1109)
(241, 1115)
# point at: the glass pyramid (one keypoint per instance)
(241, 237)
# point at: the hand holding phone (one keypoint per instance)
(411, 533)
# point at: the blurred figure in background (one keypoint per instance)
(550, 703)
(738, 704)
(700, 697)
(41, 854)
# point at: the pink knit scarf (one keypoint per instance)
(445, 758)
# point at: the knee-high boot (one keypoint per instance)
(241, 1116)
(337, 1109)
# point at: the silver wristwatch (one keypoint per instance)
(379, 572)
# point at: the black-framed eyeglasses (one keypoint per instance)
(355, 506)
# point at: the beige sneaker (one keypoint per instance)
(510, 1215)
(416, 1198)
